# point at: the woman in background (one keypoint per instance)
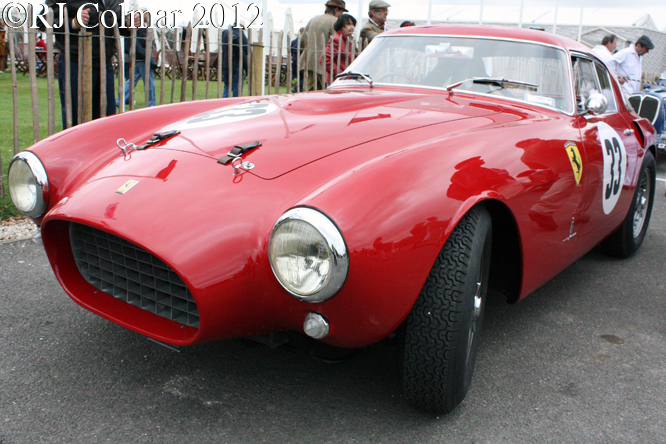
(341, 49)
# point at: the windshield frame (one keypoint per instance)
(345, 83)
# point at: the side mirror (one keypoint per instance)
(596, 103)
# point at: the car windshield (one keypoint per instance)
(524, 71)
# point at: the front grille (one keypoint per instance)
(131, 274)
(650, 108)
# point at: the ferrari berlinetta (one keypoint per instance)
(445, 163)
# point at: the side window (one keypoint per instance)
(585, 80)
(606, 87)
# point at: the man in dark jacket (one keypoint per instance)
(89, 19)
(237, 38)
(140, 66)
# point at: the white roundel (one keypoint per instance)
(228, 114)
(615, 166)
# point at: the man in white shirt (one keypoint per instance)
(605, 50)
(627, 64)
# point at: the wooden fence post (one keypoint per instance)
(131, 74)
(146, 66)
(240, 63)
(219, 63)
(229, 80)
(184, 67)
(278, 62)
(121, 71)
(255, 68)
(50, 73)
(163, 62)
(298, 63)
(85, 76)
(12, 61)
(32, 58)
(207, 60)
(195, 64)
(269, 65)
(174, 72)
(102, 72)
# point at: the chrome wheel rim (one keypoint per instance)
(642, 202)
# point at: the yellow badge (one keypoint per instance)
(127, 186)
(575, 159)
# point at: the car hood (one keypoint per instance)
(295, 130)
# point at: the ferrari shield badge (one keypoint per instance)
(576, 161)
(127, 186)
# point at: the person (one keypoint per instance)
(237, 37)
(4, 48)
(40, 47)
(140, 65)
(90, 18)
(626, 63)
(294, 61)
(378, 12)
(605, 50)
(312, 68)
(339, 53)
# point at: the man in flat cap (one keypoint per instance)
(312, 65)
(627, 64)
(378, 12)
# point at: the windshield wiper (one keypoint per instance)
(502, 83)
(356, 75)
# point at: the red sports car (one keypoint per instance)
(444, 163)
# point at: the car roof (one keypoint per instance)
(502, 32)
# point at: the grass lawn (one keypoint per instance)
(25, 118)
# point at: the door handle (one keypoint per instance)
(628, 132)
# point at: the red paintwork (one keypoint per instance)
(395, 169)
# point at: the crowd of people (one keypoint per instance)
(330, 33)
(336, 26)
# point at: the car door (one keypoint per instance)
(611, 149)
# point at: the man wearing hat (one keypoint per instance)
(378, 11)
(627, 64)
(312, 66)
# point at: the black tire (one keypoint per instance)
(627, 239)
(440, 337)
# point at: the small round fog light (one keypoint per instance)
(315, 326)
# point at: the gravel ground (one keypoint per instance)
(17, 228)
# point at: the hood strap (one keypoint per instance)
(238, 151)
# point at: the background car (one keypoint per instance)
(651, 104)
(446, 163)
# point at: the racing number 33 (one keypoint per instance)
(615, 161)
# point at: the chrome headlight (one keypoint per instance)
(28, 184)
(308, 255)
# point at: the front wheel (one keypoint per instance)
(440, 337)
(627, 239)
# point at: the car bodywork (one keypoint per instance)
(395, 166)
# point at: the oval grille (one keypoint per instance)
(131, 274)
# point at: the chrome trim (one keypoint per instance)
(41, 178)
(567, 54)
(320, 324)
(336, 245)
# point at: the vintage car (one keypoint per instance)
(445, 163)
(651, 104)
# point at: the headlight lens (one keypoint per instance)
(28, 184)
(308, 255)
